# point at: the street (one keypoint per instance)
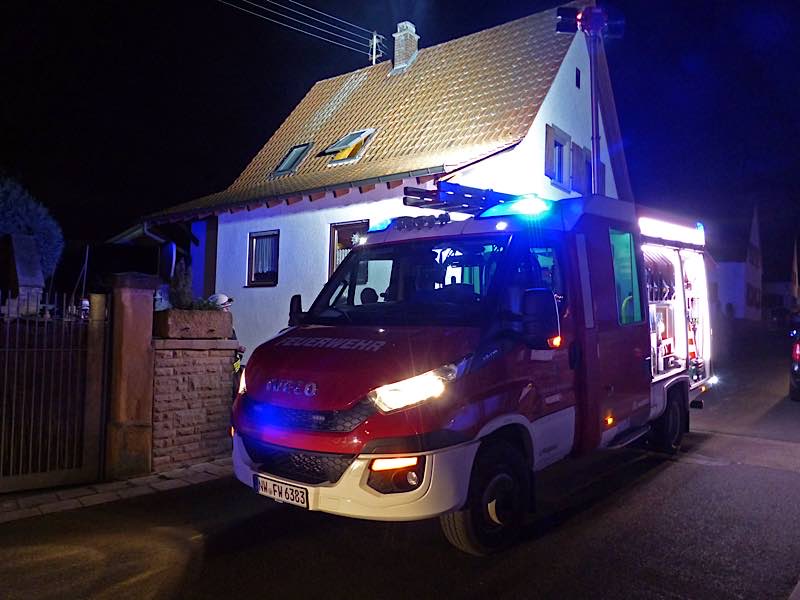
(717, 521)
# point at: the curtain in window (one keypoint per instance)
(265, 259)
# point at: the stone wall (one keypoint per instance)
(192, 399)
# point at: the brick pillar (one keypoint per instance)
(129, 435)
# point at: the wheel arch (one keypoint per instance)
(514, 429)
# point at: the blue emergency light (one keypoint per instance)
(523, 206)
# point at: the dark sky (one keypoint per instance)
(110, 110)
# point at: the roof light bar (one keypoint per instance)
(664, 230)
(522, 206)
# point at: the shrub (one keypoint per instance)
(20, 213)
(180, 291)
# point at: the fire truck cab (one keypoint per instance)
(452, 356)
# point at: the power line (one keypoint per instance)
(276, 12)
(369, 39)
(329, 16)
(260, 16)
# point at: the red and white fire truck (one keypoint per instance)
(450, 359)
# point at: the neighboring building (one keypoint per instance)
(507, 108)
(782, 289)
(739, 271)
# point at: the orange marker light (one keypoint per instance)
(609, 421)
(233, 431)
(387, 464)
(554, 342)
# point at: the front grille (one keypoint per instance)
(298, 465)
(312, 420)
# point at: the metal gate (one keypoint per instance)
(53, 358)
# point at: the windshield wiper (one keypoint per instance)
(345, 314)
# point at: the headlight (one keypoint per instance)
(414, 390)
(242, 383)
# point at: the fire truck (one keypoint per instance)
(453, 356)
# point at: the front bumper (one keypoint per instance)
(444, 486)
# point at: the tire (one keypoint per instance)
(794, 393)
(669, 428)
(498, 501)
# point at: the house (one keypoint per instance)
(781, 286)
(737, 278)
(506, 108)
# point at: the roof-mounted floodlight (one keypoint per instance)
(664, 230)
(524, 206)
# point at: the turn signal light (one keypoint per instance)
(388, 464)
(233, 431)
(554, 342)
(609, 421)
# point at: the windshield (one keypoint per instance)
(420, 282)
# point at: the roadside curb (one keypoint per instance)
(23, 505)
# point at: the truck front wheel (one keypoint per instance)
(499, 496)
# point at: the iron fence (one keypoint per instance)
(52, 381)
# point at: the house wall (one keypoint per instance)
(521, 170)
(731, 286)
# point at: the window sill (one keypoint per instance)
(260, 285)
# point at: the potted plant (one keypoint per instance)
(190, 317)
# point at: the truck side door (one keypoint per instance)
(617, 385)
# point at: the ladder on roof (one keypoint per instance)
(452, 197)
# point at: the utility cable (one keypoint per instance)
(272, 10)
(294, 10)
(329, 16)
(260, 16)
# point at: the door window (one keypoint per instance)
(539, 267)
(626, 278)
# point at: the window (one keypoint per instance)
(262, 268)
(578, 78)
(418, 282)
(292, 160)
(626, 278)
(349, 148)
(539, 267)
(556, 157)
(344, 237)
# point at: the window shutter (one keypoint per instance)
(549, 159)
(578, 169)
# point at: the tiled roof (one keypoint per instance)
(458, 102)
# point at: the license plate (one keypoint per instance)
(281, 492)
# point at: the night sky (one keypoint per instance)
(110, 110)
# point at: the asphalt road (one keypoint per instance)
(718, 521)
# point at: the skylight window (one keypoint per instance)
(292, 159)
(350, 147)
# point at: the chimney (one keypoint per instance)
(405, 45)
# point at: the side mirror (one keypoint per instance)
(541, 324)
(295, 310)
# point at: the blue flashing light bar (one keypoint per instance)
(523, 206)
(381, 225)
